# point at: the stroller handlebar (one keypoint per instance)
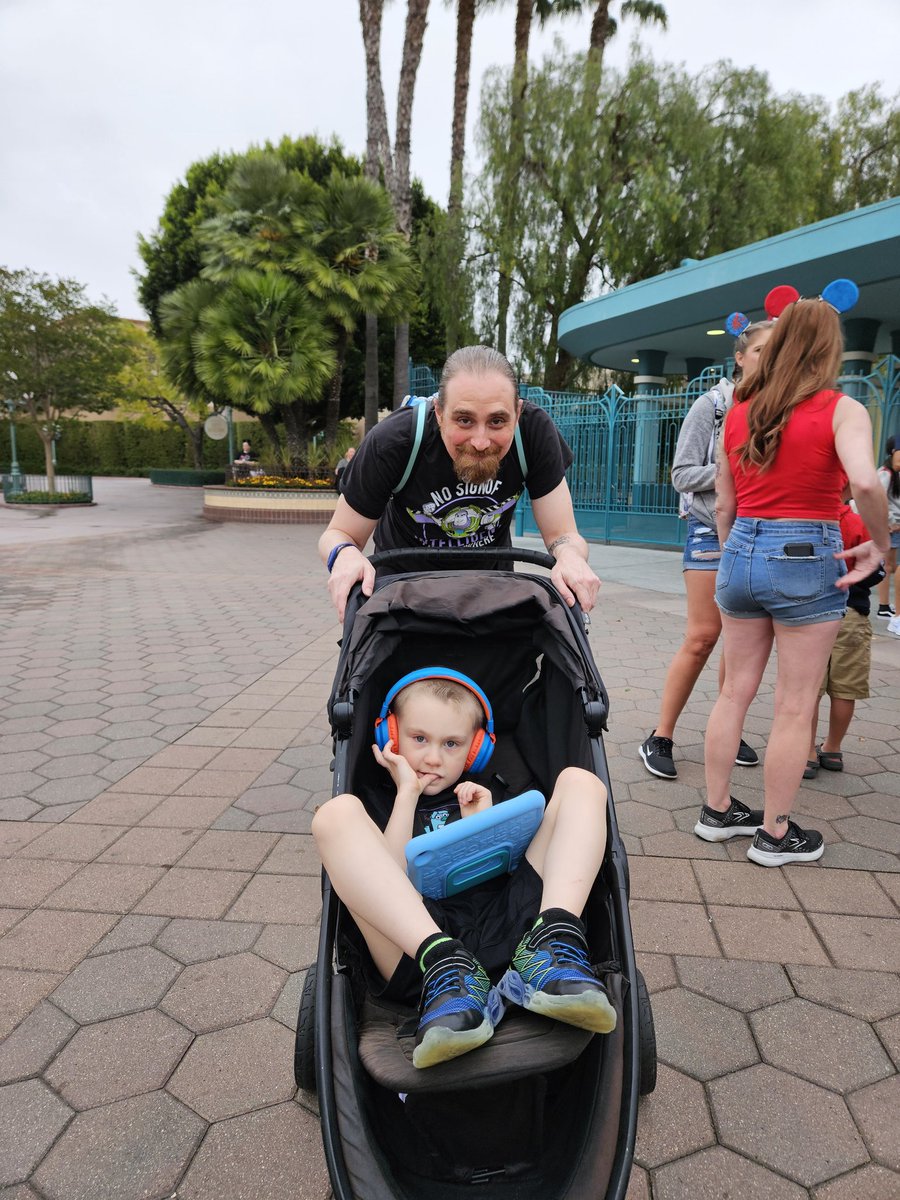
(510, 554)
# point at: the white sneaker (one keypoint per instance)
(894, 626)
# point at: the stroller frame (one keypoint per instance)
(337, 1081)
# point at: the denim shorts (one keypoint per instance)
(701, 547)
(895, 539)
(757, 579)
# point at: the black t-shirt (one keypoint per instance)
(434, 812)
(435, 509)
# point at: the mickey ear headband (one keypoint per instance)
(840, 294)
(482, 743)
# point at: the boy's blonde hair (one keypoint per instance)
(442, 689)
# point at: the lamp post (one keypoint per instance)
(55, 431)
(15, 475)
(231, 451)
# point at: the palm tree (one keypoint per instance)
(394, 164)
(262, 346)
(454, 248)
(526, 11)
(339, 240)
(354, 262)
(604, 26)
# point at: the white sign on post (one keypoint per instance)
(216, 427)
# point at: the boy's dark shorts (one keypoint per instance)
(489, 920)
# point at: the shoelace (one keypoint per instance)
(447, 980)
(661, 743)
(569, 954)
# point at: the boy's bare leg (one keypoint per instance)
(550, 971)
(838, 723)
(370, 882)
(568, 848)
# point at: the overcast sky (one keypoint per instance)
(105, 103)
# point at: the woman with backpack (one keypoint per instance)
(694, 475)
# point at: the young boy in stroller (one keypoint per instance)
(436, 725)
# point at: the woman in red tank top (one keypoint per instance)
(790, 444)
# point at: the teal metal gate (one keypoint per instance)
(624, 446)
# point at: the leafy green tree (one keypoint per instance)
(863, 151)
(60, 354)
(145, 384)
(659, 166)
(257, 343)
(172, 255)
(338, 239)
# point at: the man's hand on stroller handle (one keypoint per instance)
(573, 577)
(351, 566)
(341, 550)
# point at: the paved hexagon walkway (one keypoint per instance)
(163, 746)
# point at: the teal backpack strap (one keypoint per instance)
(419, 433)
(520, 450)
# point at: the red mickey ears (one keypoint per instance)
(778, 300)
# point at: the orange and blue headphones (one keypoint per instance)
(482, 743)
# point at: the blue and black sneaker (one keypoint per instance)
(551, 974)
(458, 1009)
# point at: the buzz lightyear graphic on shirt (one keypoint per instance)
(469, 517)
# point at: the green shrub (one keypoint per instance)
(118, 447)
(186, 478)
(50, 498)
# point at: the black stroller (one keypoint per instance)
(543, 1110)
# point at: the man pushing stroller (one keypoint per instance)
(523, 928)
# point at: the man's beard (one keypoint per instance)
(476, 468)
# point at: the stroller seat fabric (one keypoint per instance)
(523, 1044)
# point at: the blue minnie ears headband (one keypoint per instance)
(840, 294)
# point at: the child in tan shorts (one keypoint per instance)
(847, 674)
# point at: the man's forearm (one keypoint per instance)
(568, 541)
(334, 537)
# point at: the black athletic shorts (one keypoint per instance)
(489, 920)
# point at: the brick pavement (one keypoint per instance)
(162, 748)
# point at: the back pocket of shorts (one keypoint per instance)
(726, 566)
(796, 578)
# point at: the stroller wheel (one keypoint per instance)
(646, 1039)
(305, 1044)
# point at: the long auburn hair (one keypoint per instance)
(802, 357)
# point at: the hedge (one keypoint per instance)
(185, 477)
(117, 448)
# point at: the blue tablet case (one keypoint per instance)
(446, 861)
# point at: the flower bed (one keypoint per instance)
(292, 484)
(270, 504)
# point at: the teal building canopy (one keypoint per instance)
(663, 324)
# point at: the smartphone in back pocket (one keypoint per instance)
(799, 550)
